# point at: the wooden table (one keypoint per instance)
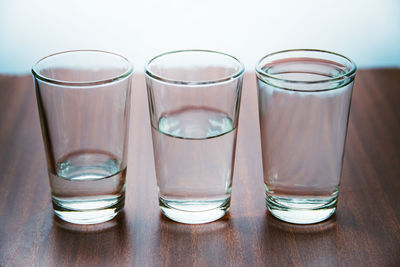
(364, 232)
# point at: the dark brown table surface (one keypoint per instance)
(365, 231)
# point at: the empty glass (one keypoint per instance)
(84, 102)
(304, 99)
(194, 100)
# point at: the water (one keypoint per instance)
(88, 187)
(194, 155)
(302, 136)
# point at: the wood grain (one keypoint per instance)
(364, 232)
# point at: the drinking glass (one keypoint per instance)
(304, 99)
(83, 99)
(194, 100)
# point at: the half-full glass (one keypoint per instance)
(304, 99)
(84, 102)
(194, 100)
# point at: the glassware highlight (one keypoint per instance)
(194, 100)
(304, 100)
(83, 99)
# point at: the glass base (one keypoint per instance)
(194, 212)
(301, 210)
(88, 211)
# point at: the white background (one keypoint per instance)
(368, 31)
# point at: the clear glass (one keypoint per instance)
(304, 100)
(194, 100)
(83, 100)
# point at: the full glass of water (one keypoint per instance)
(84, 102)
(304, 99)
(194, 100)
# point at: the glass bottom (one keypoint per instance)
(301, 210)
(194, 211)
(88, 210)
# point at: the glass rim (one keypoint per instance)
(39, 76)
(182, 82)
(348, 74)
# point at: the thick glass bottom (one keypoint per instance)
(301, 210)
(194, 211)
(88, 210)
